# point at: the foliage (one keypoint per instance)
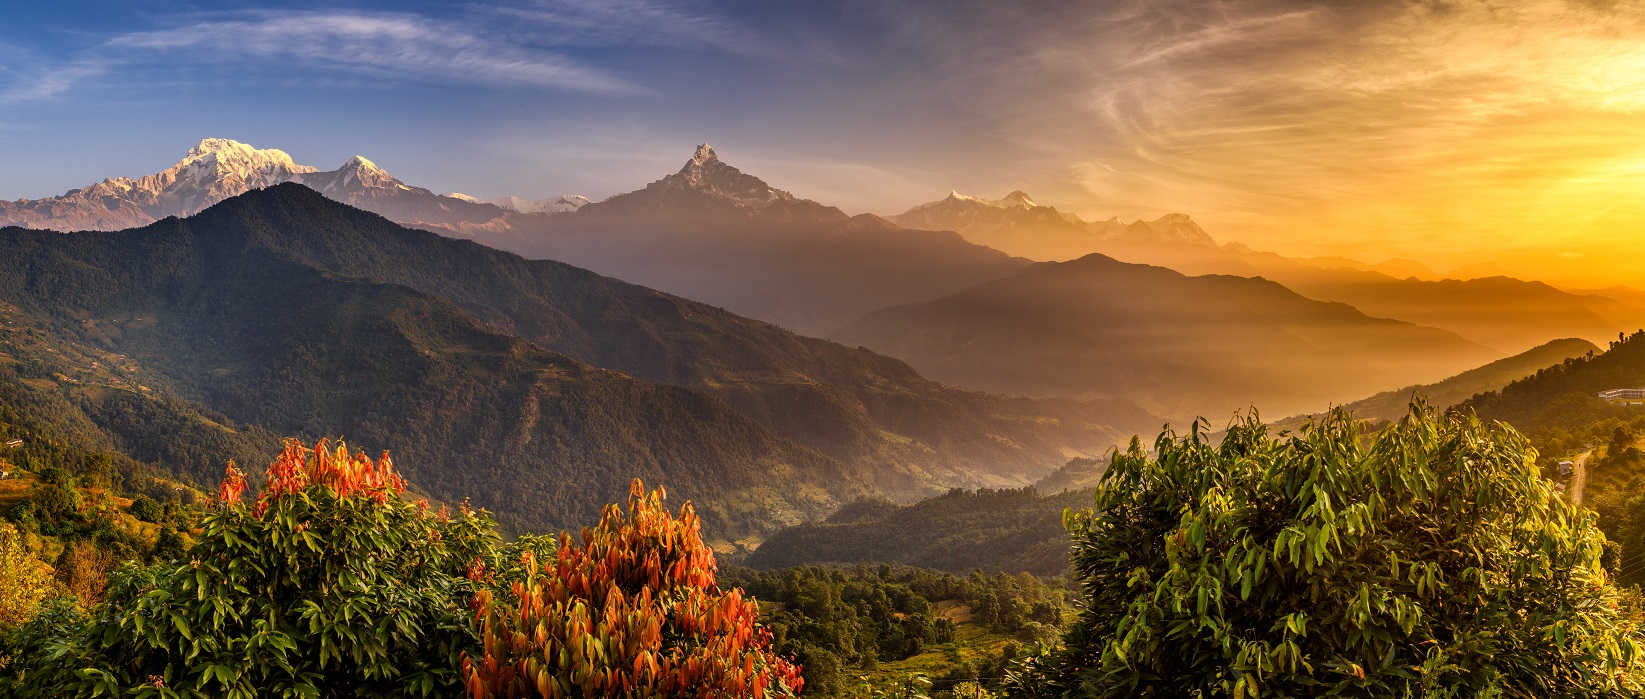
(146, 509)
(833, 619)
(25, 581)
(1558, 407)
(959, 531)
(328, 583)
(1433, 561)
(632, 611)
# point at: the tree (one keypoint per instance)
(1431, 560)
(329, 583)
(632, 611)
(145, 509)
(25, 581)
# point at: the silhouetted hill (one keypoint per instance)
(1181, 346)
(1393, 405)
(1506, 314)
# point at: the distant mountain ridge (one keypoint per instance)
(1180, 346)
(1506, 314)
(1016, 224)
(551, 205)
(714, 233)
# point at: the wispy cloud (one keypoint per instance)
(49, 82)
(1432, 129)
(639, 22)
(394, 46)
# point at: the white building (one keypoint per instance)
(1623, 394)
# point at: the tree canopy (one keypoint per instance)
(1428, 560)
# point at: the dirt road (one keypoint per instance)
(1579, 476)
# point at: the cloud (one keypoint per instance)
(639, 22)
(49, 83)
(393, 46)
(1416, 128)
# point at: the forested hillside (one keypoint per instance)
(1559, 406)
(850, 404)
(484, 415)
(287, 311)
(961, 531)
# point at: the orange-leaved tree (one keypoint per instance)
(631, 611)
(328, 583)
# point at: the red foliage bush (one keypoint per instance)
(632, 611)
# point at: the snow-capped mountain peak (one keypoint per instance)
(1016, 199)
(559, 204)
(216, 169)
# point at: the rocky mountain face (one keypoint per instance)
(1017, 225)
(1178, 345)
(713, 233)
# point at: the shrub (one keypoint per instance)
(146, 509)
(632, 611)
(329, 583)
(1433, 561)
(25, 581)
(57, 504)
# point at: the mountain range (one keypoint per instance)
(1480, 303)
(713, 233)
(1021, 227)
(219, 168)
(718, 235)
(535, 388)
(1179, 345)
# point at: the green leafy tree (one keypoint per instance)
(329, 584)
(146, 509)
(1429, 561)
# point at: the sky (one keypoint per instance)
(1456, 132)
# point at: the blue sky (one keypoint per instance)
(1449, 131)
(532, 99)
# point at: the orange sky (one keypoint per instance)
(1454, 133)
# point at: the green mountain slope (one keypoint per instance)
(1558, 406)
(477, 368)
(912, 435)
(991, 530)
(539, 438)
